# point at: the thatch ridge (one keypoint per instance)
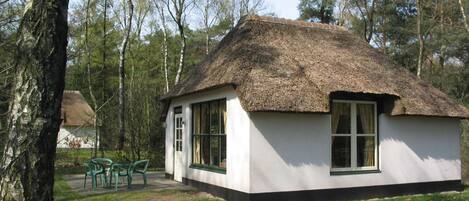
(75, 110)
(294, 66)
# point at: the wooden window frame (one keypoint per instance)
(353, 139)
(209, 167)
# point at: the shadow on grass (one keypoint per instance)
(63, 192)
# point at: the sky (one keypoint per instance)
(284, 8)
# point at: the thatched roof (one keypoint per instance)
(76, 111)
(293, 66)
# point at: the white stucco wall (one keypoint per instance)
(67, 134)
(237, 131)
(291, 152)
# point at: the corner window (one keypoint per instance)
(354, 136)
(208, 135)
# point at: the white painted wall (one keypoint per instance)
(66, 134)
(237, 131)
(291, 152)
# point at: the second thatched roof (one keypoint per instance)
(76, 111)
(293, 66)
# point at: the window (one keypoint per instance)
(208, 134)
(354, 136)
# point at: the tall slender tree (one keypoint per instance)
(160, 10)
(420, 38)
(122, 51)
(27, 168)
(177, 10)
(463, 13)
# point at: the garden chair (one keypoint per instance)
(105, 163)
(138, 167)
(93, 169)
(119, 170)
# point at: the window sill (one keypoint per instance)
(208, 168)
(352, 172)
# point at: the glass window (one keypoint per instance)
(341, 118)
(353, 125)
(208, 135)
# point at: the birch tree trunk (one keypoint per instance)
(181, 55)
(122, 50)
(160, 9)
(420, 37)
(179, 7)
(461, 6)
(27, 166)
(103, 77)
(88, 67)
(165, 50)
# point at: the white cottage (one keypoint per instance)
(78, 118)
(289, 110)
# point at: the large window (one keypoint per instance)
(208, 134)
(354, 135)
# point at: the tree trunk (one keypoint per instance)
(181, 55)
(165, 60)
(88, 67)
(178, 15)
(420, 36)
(103, 75)
(27, 166)
(122, 49)
(461, 6)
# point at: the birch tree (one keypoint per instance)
(366, 9)
(209, 13)
(463, 13)
(27, 166)
(122, 51)
(160, 10)
(88, 69)
(420, 38)
(177, 10)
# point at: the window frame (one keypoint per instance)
(353, 138)
(211, 168)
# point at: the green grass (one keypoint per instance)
(62, 192)
(70, 161)
(445, 196)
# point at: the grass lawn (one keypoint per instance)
(68, 162)
(63, 193)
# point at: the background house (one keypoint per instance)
(289, 110)
(78, 119)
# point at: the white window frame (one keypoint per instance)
(354, 135)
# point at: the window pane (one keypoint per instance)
(196, 150)
(223, 116)
(365, 119)
(215, 148)
(205, 118)
(214, 118)
(341, 118)
(205, 149)
(341, 151)
(365, 151)
(223, 152)
(196, 117)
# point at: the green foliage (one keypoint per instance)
(317, 11)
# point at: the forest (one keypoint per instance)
(124, 55)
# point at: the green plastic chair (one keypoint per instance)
(93, 169)
(119, 170)
(138, 167)
(105, 164)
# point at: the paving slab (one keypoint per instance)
(156, 181)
